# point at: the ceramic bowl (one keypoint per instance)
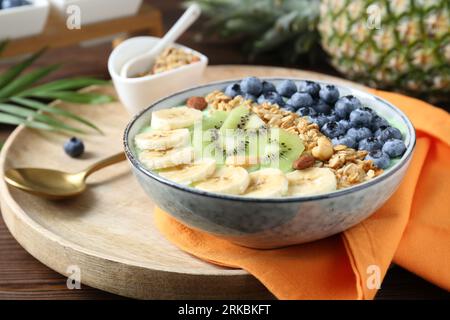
(93, 11)
(24, 21)
(138, 93)
(270, 222)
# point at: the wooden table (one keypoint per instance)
(23, 277)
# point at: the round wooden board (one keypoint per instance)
(108, 232)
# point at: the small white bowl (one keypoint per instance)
(23, 21)
(99, 10)
(138, 93)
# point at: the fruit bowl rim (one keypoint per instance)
(337, 193)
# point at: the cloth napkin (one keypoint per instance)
(412, 229)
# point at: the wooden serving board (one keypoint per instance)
(108, 232)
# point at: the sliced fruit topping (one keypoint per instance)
(280, 149)
(311, 181)
(237, 118)
(154, 159)
(175, 118)
(229, 180)
(162, 139)
(214, 120)
(189, 173)
(254, 123)
(269, 182)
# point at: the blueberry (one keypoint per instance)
(333, 118)
(359, 133)
(300, 100)
(379, 158)
(345, 105)
(287, 88)
(378, 122)
(369, 144)
(233, 90)
(251, 85)
(6, 4)
(289, 108)
(320, 120)
(360, 117)
(394, 148)
(329, 93)
(74, 147)
(384, 133)
(345, 140)
(310, 87)
(249, 96)
(321, 107)
(306, 111)
(271, 97)
(332, 130)
(345, 124)
(268, 87)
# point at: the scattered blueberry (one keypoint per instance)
(310, 87)
(290, 108)
(233, 90)
(369, 144)
(394, 148)
(345, 105)
(329, 93)
(287, 88)
(379, 158)
(384, 133)
(268, 87)
(322, 107)
(332, 130)
(360, 117)
(271, 97)
(345, 124)
(345, 140)
(320, 120)
(251, 85)
(306, 111)
(378, 122)
(7, 4)
(359, 133)
(74, 147)
(300, 100)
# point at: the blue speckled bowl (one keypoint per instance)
(270, 222)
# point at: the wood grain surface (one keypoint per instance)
(24, 277)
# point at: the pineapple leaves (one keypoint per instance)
(22, 102)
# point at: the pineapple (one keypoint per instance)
(391, 44)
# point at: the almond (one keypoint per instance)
(198, 103)
(305, 161)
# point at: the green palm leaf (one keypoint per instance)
(22, 102)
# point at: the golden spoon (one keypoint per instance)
(55, 184)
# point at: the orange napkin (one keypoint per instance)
(412, 229)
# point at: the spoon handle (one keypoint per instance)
(185, 21)
(104, 163)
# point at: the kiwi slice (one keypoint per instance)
(214, 120)
(254, 123)
(237, 118)
(279, 149)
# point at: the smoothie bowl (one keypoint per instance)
(267, 163)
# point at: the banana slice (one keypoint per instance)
(190, 173)
(160, 159)
(311, 181)
(175, 118)
(230, 180)
(162, 139)
(268, 182)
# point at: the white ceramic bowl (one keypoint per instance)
(23, 21)
(99, 10)
(138, 93)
